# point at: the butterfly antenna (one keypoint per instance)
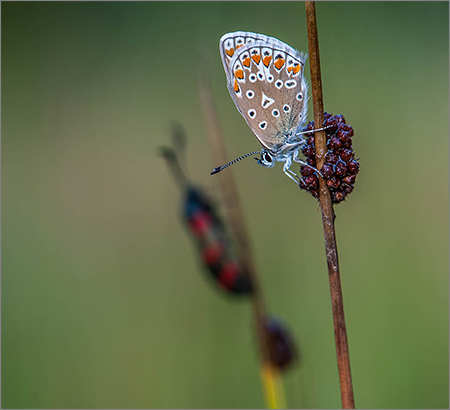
(222, 167)
(312, 131)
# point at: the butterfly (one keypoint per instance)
(265, 78)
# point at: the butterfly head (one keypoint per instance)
(267, 159)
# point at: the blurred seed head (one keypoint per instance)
(282, 350)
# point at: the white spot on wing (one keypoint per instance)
(290, 84)
(266, 101)
(240, 41)
(279, 84)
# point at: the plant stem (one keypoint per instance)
(328, 216)
(269, 373)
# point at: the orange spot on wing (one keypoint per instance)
(246, 62)
(290, 69)
(230, 52)
(239, 46)
(266, 60)
(239, 74)
(236, 86)
(296, 69)
(279, 63)
(256, 58)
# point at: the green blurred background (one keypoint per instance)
(104, 304)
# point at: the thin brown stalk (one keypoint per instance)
(328, 216)
(236, 221)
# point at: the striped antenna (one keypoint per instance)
(222, 167)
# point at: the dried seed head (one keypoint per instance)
(340, 168)
(305, 171)
(349, 179)
(331, 157)
(353, 167)
(333, 182)
(311, 161)
(308, 150)
(334, 143)
(282, 349)
(346, 155)
(327, 170)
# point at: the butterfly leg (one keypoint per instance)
(288, 172)
(299, 161)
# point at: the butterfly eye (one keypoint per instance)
(267, 157)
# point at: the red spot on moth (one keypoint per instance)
(246, 62)
(266, 60)
(239, 74)
(230, 52)
(228, 274)
(256, 58)
(212, 254)
(279, 63)
(200, 223)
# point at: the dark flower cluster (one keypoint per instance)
(340, 167)
(282, 350)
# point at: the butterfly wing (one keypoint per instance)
(231, 42)
(265, 78)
